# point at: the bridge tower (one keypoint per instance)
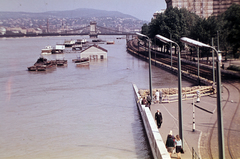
(93, 30)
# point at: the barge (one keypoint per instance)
(41, 65)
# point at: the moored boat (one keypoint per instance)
(61, 62)
(41, 65)
(58, 49)
(110, 42)
(69, 43)
(47, 50)
(81, 61)
(76, 47)
(81, 41)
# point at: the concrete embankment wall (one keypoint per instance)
(174, 70)
(156, 143)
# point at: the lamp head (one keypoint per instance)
(142, 35)
(194, 42)
(164, 39)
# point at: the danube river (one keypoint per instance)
(72, 112)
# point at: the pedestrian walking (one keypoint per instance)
(157, 96)
(179, 150)
(170, 144)
(144, 101)
(160, 96)
(149, 99)
(171, 133)
(158, 118)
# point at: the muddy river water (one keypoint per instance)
(72, 112)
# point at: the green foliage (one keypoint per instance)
(145, 29)
(173, 22)
(232, 26)
(181, 22)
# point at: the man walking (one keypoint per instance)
(149, 99)
(158, 118)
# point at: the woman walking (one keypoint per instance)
(178, 142)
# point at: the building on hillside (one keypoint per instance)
(3, 30)
(158, 12)
(203, 8)
(17, 30)
(94, 52)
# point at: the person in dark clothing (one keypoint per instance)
(144, 101)
(158, 118)
(170, 144)
(149, 99)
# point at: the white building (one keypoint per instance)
(158, 12)
(94, 52)
(2, 30)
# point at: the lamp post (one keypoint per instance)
(166, 40)
(171, 48)
(213, 63)
(198, 65)
(221, 150)
(149, 56)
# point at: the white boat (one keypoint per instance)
(69, 43)
(59, 48)
(47, 50)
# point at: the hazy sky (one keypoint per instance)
(141, 9)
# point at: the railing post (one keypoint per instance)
(193, 116)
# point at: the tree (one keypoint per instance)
(144, 29)
(173, 22)
(232, 26)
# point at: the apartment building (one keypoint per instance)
(203, 8)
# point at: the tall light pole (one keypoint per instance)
(166, 40)
(221, 149)
(213, 63)
(171, 48)
(149, 57)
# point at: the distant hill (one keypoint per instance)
(77, 13)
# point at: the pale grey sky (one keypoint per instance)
(141, 9)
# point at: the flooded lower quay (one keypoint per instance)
(73, 112)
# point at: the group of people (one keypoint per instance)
(174, 144)
(147, 102)
(157, 96)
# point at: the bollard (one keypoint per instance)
(198, 96)
(193, 126)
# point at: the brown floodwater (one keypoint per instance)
(72, 112)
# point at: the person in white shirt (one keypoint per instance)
(178, 143)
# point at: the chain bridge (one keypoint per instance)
(93, 30)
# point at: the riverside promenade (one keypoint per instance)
(204, 140)
(205, 115)
(170, 122)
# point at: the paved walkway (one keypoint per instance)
(203, 120)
